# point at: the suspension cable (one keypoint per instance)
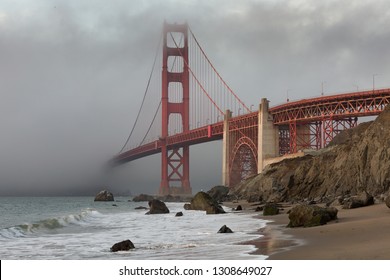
(196, 79)
(151, 124)
(216, 72)
(144, 97)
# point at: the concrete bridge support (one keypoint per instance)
(268, 136)
(226, 150)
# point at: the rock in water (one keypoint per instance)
(141, 208)
(239, 208)
(203, 201)
(157, 207)
(125, 245)
(311, 215)
(179, 214)
(104, 196)
(225, 229)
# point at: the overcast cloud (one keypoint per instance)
(72, 75)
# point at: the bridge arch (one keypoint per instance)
(243, 161)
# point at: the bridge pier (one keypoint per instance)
(268, 136)
(226, 149)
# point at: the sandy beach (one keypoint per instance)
(357, 234)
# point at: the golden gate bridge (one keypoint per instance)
(187, 102)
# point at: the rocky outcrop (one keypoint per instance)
(357, 160)
(311, 215)
(202, 201)
(143, 197)
(125, 245)
(225, 229)
(104, 196)
(157, 207)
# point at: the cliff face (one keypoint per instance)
(357, 159)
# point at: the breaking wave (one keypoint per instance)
(50, 225)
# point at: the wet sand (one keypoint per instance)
(357, 234)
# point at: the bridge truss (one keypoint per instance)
(313, 123)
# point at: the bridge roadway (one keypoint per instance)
(334, 107)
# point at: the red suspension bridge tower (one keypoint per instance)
(175, 162)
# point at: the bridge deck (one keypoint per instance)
(334, 107)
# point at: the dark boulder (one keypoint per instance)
(238, 208)
(143, 197)
(104, 196)
(157, 207)
(141, 208)
(204, 202)
(311, 215)
(225, 229)
(270, 209)
(361, 200)
(179, 214)
(125, 245)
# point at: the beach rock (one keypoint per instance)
(225, 229)
(141, 208)
(311, 215)
(157, 207)
(104, 196)
(270, 209)
(387, 201)
(203, 201)
(219, 193)
(143, 197)
(238, 208)
(361, 200)
(125, 245)
(179, 214)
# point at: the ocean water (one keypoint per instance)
(78, 228)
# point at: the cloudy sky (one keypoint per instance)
(72, 75)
